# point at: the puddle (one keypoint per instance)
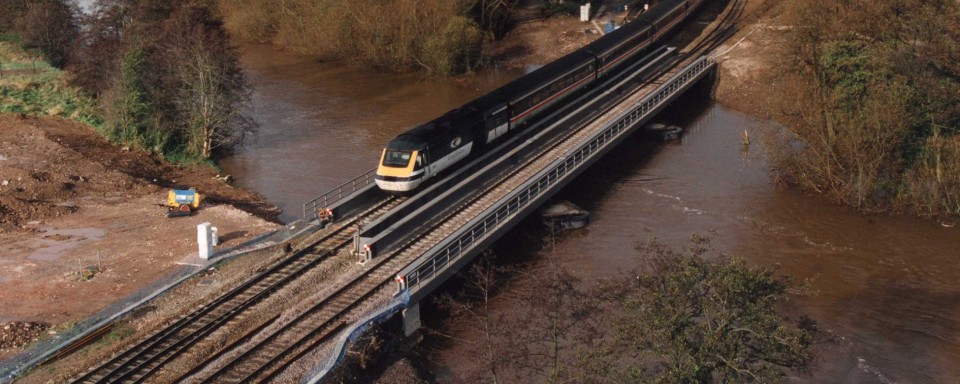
(57, 241)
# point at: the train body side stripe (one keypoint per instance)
(629, 53)
(552, 98)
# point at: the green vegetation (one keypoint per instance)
(706, 321)
(47, 26)
(688, 316)
(175, 86)
(442, 36)
(116, 334)
(882, 118)
(562, 7)
(30, 86)
(164, 77)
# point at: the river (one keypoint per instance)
(887, 287)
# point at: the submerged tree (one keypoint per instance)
(688, 319)
(681, 319)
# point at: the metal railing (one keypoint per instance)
(311, 208)
(438, 258)
(318, 373)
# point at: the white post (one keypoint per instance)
(204, 240)
(214, 241)
(585, 12)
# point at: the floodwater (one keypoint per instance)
(887, 287)
(322, 124)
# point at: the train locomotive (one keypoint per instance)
(430, 148)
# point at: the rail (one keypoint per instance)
(380, 236)
(350, 336)
(311, 209)
(454, 247)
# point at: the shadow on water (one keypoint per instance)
(887, 286)
(527, 242)
(618, 167)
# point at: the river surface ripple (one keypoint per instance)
(887, 287)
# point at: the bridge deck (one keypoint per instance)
(427, 261)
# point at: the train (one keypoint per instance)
(430, 148)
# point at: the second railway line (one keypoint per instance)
(263, 354)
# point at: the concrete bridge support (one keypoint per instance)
(411, 319)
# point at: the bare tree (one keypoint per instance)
(50, 26)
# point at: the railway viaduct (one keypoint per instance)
(407, 246)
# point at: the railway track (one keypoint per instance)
(261, 355)
(726, 26)
(264, 358)
(139, 362)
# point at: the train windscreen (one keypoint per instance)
(397, 159)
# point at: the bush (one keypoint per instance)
(394, 34)
(169, 81)
(41, 92)
(455, 50)
(550, 8)
(696, 320)
(882, 120)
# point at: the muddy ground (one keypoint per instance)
(82, 223)
(754, 78)
(67, 195)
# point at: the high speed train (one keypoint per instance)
(430, 148)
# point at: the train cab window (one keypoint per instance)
(396, 159)
(419, 164)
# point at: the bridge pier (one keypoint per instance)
(411, 319)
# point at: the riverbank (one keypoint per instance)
(83, 221)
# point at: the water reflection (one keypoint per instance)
(323, 124)
(888, 288)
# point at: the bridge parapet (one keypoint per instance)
(465, 243)
(321, 205)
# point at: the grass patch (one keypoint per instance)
(37, 66)
(180, 156)
(118, 333)
(12, 52)
(43, 92)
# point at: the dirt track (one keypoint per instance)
(67, 195)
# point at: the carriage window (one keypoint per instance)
(419, 163)
(397, 159)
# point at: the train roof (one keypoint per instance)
(543, 75)
(445, 125)
(663, 9)
(613, 39)
(440, 129)
(452, 122)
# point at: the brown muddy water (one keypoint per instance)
(322, 124)
(888, 288)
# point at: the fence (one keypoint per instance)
(10, 69)
(439, 258)
(44, 350)
(311, 208)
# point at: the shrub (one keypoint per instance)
(394, 34)
(455, 50)
(881, 118)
